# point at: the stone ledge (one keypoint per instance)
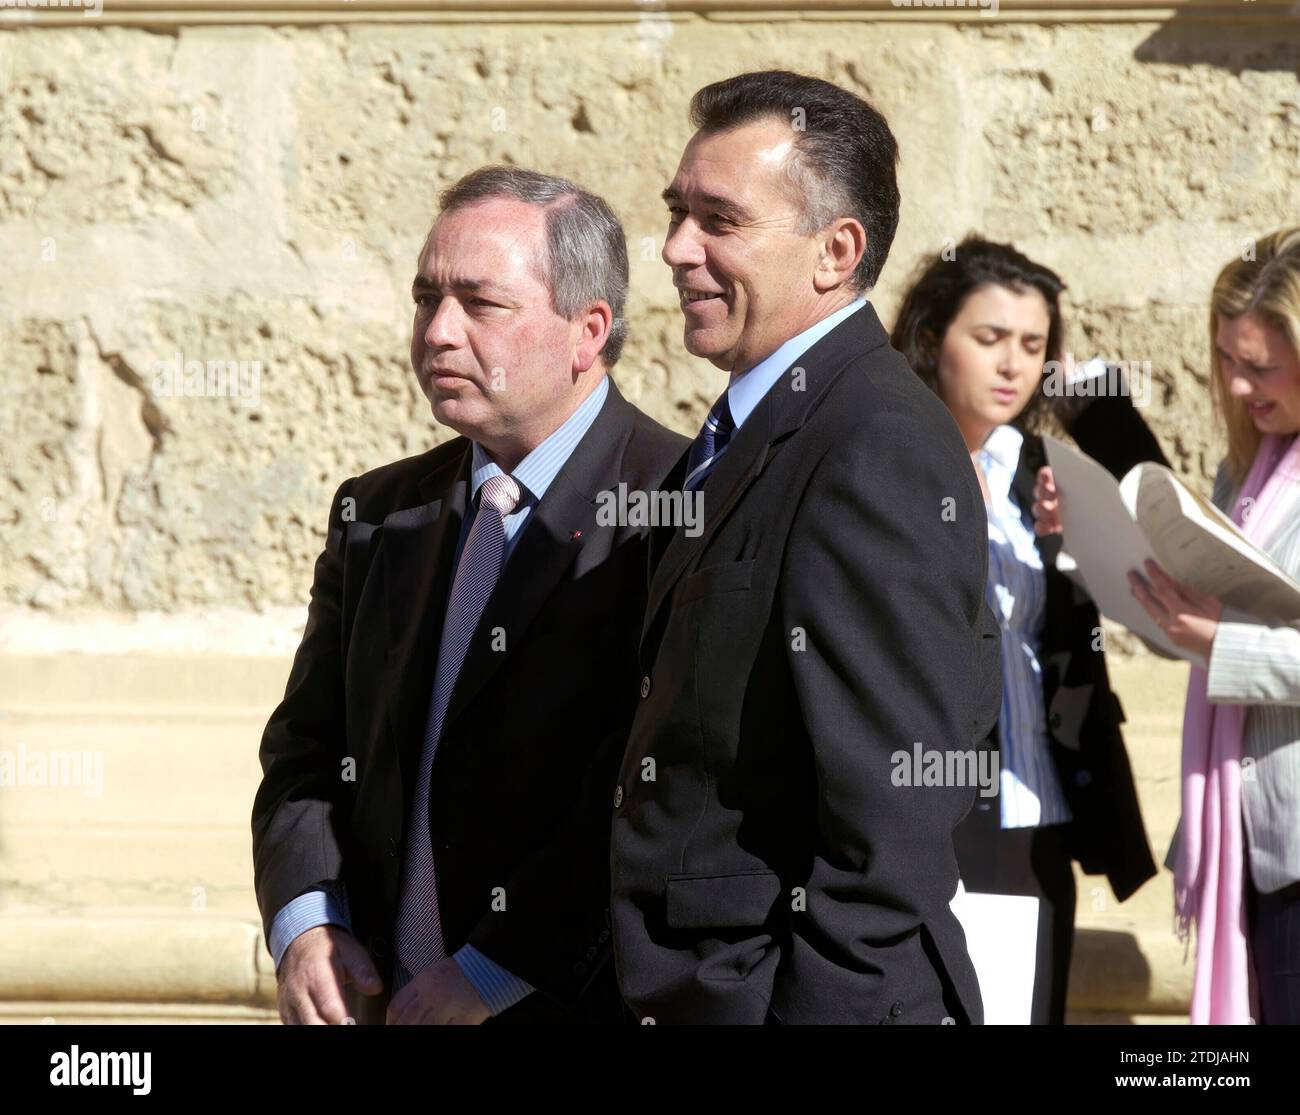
(195, 963)
(1133, 969)
(164, 13)
(134, 959)
(94, 1013)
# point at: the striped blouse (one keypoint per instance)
(1029, 790)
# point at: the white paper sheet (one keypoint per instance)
(1104, 541)
(1002, 938)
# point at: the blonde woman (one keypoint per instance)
(1236, 859)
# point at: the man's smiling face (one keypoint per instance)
(741, 265)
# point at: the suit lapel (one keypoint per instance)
(662, 535)
(419, 544)
(779, 414)
(554, 533)
(734, 473)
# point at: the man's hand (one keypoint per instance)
(1188, 617)
(438, 996)
(315, 968)
(1047, 503)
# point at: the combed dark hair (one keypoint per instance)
(586, 248)
(939, 291)
(844, 159)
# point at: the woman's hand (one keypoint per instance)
(1188, 617)
(1047, 503)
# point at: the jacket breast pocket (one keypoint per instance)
(734, 901)
(733, 577)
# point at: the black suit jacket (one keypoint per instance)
(532, 737)
(1107, 835)
(765, 866)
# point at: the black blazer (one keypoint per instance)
(765, 866)
(1107, 835)
(532, 737)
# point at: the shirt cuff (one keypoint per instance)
(496, 987)
(315, 907)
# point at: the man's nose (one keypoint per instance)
(682, 247)
(444, 328)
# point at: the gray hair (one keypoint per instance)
(586, 248)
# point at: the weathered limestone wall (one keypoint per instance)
(257, 195)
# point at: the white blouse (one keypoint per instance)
(1030, 791)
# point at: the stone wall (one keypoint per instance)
(257, 194)
(251, 187)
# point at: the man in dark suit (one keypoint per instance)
(767, 864)
(431, 835)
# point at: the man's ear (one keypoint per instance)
(844, 242)
(596, 322)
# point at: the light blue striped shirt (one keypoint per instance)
(498, 988)
(1030, 791)
(747, 390)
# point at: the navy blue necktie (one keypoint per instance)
(709, 445)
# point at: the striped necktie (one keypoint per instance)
(419, 931)
(709, 445)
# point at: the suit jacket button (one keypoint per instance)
(896, 1009)
(618, 796)
(645, 687)
(392, 846)
(591, 953)
(1082, 778)
(579, 968)
(604, 936)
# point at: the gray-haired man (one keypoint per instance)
(430, 838)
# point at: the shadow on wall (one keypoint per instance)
(1267, 39)
(1109, 973)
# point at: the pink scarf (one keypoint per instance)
(1208, 883)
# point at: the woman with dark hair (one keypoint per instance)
(980, 329)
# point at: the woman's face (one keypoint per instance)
(1261, 369)
(992, 357)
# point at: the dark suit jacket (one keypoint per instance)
(531, 739)
(1107, 835)
(765, 866)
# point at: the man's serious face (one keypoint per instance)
(742, 268)
(491, 355)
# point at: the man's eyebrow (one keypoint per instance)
(725, 205)
(423, 282)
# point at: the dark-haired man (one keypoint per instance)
(766, 865)
(431, 835)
